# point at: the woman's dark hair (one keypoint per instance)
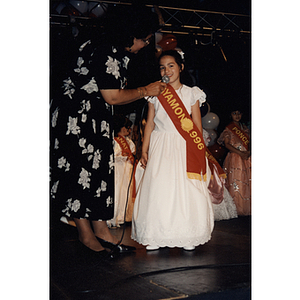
(124, 23)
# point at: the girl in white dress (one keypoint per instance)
(170, 209)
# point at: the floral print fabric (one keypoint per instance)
(81, 143)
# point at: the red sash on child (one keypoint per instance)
(195, 147)
(127, 152)
(217, 181)
(124, 147)
(240, 134)
(213, 162)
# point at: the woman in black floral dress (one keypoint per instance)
(82, 163)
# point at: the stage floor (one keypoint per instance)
(220, 269)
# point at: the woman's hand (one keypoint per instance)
(124, 96)
(144, 160)
(155, 88)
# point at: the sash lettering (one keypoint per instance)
(239, 133)
(195, 147)
(127, 152)
(124, 147)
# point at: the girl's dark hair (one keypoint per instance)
(124, 23)
(234, 106)
(185, 77)
(127, 123)
(175, 54)
(120, 121)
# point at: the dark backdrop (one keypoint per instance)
(227, 84)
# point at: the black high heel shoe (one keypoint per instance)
(119, 248)
(102, 254)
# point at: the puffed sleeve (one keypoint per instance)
(131, 145)
(152, 100)
(198, 94)
(223, 135)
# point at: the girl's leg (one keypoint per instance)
(86, 234)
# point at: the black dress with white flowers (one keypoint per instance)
(81, 138)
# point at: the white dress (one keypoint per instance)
(123, 170)
(226, 210)
(170, 209)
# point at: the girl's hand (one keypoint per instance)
(144, 160)
(244, 154)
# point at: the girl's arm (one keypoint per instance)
(244, 154)
(196, 116)
(147, 133)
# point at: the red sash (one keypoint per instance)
(213, 162)
(124, 147)
(127, 152)
(240, 134)
(195, 147)
(216, 184)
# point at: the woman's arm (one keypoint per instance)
(147, 133)
(196, 116)
(124, 96)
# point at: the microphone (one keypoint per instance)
(165, 79)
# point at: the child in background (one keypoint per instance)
(124, 149)
(237, 163)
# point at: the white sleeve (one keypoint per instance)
(198, 95)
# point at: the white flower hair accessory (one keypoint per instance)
(180, 52)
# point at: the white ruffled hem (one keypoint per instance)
(171, 243)
(226, 209)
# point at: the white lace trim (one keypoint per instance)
(193, 237)
(184, 242)
(226, 209)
